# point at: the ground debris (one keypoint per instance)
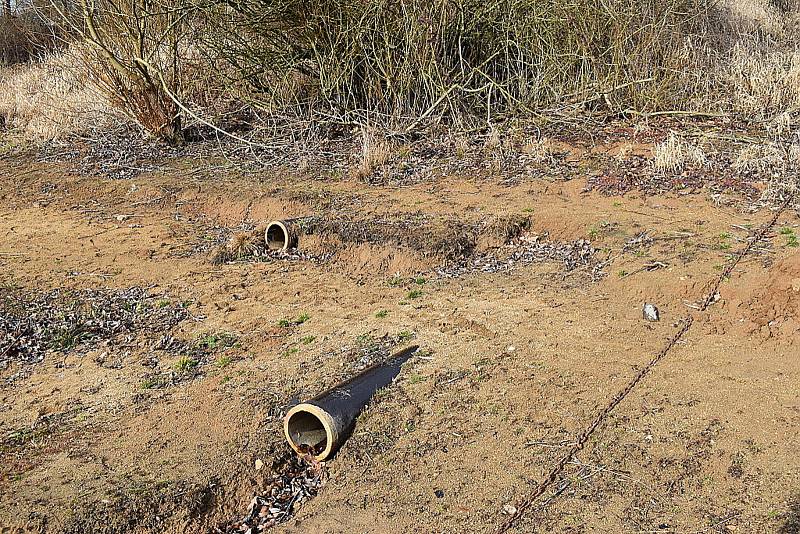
(60, 320)
(447, 237)
(650, 312)
(642, 240)
(524, 251)
(296, 480)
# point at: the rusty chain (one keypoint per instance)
(584, 436)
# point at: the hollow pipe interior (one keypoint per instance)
(306, 430)
(277, 236)
(311, 430)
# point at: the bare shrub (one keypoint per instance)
(24, 35)
(462, 63)
(462, 60)
(136, 51)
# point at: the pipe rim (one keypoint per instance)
(286, 237)
(331, 436)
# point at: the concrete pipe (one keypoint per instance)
(281, 235)
(320, 426)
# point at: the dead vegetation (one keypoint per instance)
(673, 154)
(295, 480)
(527, 250)
(62, 320)
(52, 98)
(392, 70)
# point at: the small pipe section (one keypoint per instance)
(281, 235)
(321, 425)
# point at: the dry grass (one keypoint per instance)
(51, 98)
(769, 157)
(764, 84)
(751, 16)
(376, 152)
(240, 245)
(675, 153)
(752, 62)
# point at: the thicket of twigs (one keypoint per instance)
(403, 64)
(24, 34)
(410, 60)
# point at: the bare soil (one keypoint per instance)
(175, 427)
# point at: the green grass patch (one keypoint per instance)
(405, 335)
(185, 365)
(213, 341)
(223, 361)
(414, 294)
(286, 323)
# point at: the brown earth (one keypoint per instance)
(517, 362)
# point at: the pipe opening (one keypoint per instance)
(277, 237)
(307, 432)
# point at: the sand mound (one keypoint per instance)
(775, 307)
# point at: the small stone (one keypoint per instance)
(650, 312)
(259, 464)
(509, 509)
(510, 349)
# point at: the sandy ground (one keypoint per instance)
(516, 363)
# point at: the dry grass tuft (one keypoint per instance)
(240, 245)
(751, 16)
(51, 99)
(770, 157)
(675, 153)
(376, 152)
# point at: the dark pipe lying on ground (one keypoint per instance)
(281, 235)
(320, 426)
